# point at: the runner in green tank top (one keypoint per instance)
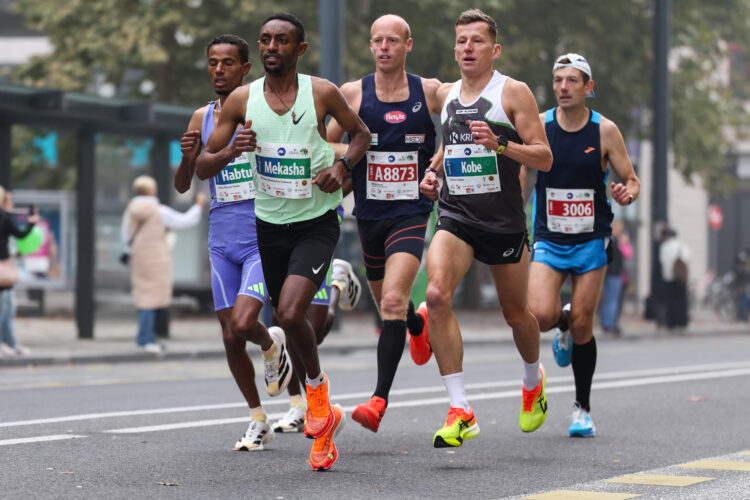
(299, 187)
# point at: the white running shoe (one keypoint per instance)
(581, 423)
(279, 369)
(152, 347)
(7, 350)
(344, 274)
(258, 433)
(293, 421)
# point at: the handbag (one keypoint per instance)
(8, 273)
(125, 255)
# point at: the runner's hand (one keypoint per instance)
(482, 135)
(620, 193)
(190, 142)
(330, 179)
(245, 140)
(429, 186)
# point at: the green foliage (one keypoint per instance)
(124, 42)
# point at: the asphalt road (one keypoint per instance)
(166, 429)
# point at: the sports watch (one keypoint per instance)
(345, 161)
(502, 142)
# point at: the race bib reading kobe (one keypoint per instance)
(471, 169)
(235, 182)
(570, 211)
(392, 176)
(284, 171)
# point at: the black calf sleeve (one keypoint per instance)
(390, 348)
(584, 364)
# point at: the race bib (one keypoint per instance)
(471, 169)
(570, 211)
(284, 171)
(235, 182)
(392, 176)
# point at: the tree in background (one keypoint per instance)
(155, 49)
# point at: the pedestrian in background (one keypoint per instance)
(9, 273)
(674, 256)
(144, 230)
(615, 279)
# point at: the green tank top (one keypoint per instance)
(290, 153)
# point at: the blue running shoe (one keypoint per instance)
(561, 348)
(581, 425)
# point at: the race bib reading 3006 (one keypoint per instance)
(284, 170)
(235, 181)
(471, 169)
(570, 210)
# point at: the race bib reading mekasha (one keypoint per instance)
(235, 181)
(392, 176)
(570, 211)
(284, 171)
(471, 169)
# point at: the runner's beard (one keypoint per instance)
(275, 71)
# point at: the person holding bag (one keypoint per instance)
(9, 273)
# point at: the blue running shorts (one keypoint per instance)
(236, 272)
(573, 259)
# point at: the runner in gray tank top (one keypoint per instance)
(490, 127)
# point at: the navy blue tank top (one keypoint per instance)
(386, 180)
(571, 205)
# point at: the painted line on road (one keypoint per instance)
(444, 399)
(673, 371)
(40, 439)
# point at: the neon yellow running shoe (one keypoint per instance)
(459, 426)
(534, 405)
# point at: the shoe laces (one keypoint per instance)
(272, 366)
(255, 428)
(317, 400)
(529, 397)
(292, 414)
(455, 413)
(579, 415)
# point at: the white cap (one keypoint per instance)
(577, 61)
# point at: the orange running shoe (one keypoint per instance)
(419, 345)
(319, 417)
(324, 453)
(370, 414)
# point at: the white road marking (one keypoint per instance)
(40, 439)
(649, 376)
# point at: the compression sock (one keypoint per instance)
(531, 375)
(390, 348)
(454, 384)
(414, 321)
(584, 364)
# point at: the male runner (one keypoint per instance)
(236, 274)
(299, 188)
(391, 213)
(573, 223)
(490, 127)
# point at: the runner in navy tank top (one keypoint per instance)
(391, 213)
(573, 224)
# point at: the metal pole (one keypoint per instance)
(85, 254)
(160, 168)
(659, 190)
(5, 154)
(330, 26)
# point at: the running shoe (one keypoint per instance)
(534, 405)
(459, 426)
(258, 433)
(318, 417)
(562, 348)
(279, 368)
(581, 423)
(369, 414)
(324, 453)
(344, 278)
(419, 345)
(292, 421)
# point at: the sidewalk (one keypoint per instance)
(53, 340)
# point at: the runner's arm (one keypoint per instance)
(190, 145)
(218, 152)
(614, 151)
(352, 92)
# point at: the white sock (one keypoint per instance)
(315, 382)
(454, 384)
(531, 375)
(258, 413)
(271, 352)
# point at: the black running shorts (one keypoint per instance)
(382, 238)
(490, 248)
(302, 248)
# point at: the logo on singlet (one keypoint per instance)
(281, 151)
(394, 116)
(416, 107)
(298, 119)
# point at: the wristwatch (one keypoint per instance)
(346, 162)
(502, 142)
